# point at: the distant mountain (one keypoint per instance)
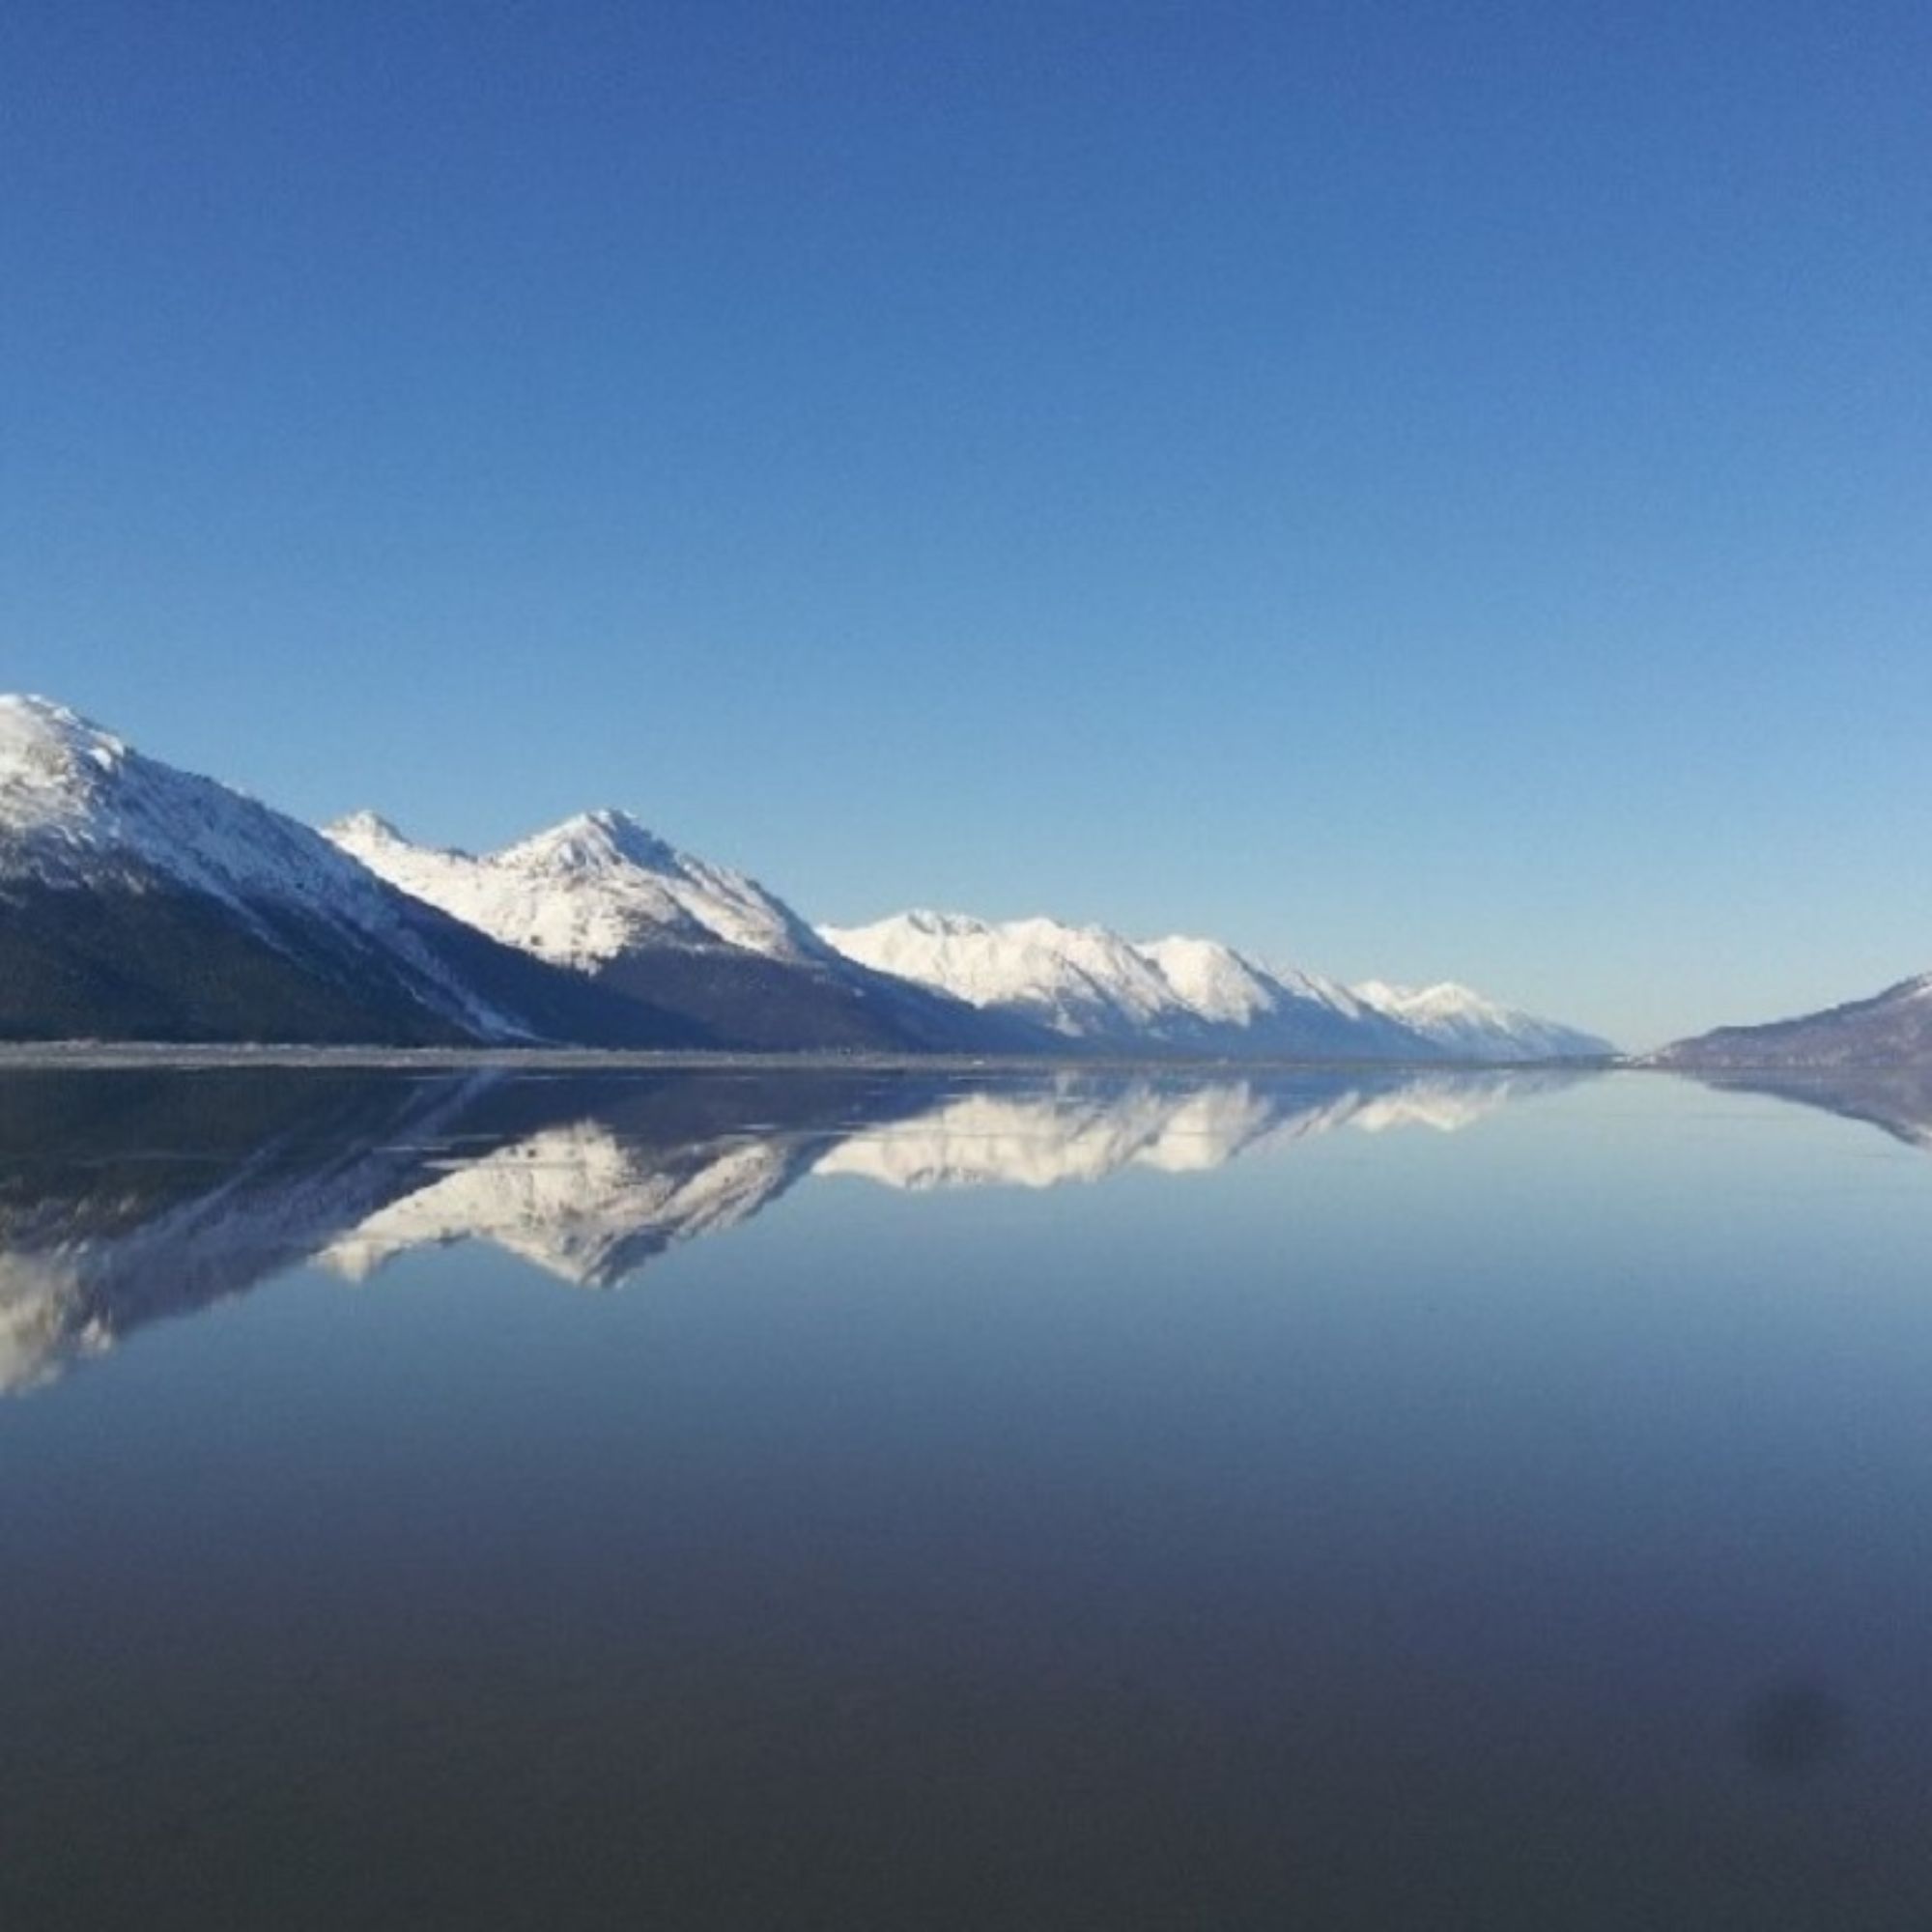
(605, 898)
(1092, 988)
(1470, 1027)
(1097, 990)
(139, 901)
(1893, 1028)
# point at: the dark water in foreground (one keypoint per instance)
(1301, 1515)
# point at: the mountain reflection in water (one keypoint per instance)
(130, 1196)
(1514, 1529)
(1899, 1099)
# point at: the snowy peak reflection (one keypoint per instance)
(618, 1170)
(579, 1203)
(1078, 1131)
(1038, 1139)
(591, 1201)
(129, 1197)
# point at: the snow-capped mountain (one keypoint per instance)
(1081, 981)
(588, 891)
(1093, 987)
(1466, 1026)
(606, 897)
(143, 901)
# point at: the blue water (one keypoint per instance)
(891, 1502)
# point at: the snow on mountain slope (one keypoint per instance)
(602, 895)
(147, 903)
(1468, 1026)
(81, 810)
(587, 890)
(1211, 980)
(192, 911)
(79, 806)
(1078, 981)
(1224, 986)
(1089, 985)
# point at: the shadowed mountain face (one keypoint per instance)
(127, 1196)
(605, 898)
(142, 902)
(1893, 1029)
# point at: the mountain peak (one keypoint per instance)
(1470, 1023)
(609, 818)
(1082, 981)
(360, 829)
(48, 749)
(26, 716)
(1439, 996)
(591, 891)
(941, 924)
(593, 841)
(1213, 978)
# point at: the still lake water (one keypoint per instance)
(891, 1501)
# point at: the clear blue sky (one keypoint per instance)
(1432, 489)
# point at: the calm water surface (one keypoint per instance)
(480, 1501)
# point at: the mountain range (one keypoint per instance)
(604, 898)
(142, 902)
(1092, 988)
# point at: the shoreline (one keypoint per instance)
(107, 1055)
